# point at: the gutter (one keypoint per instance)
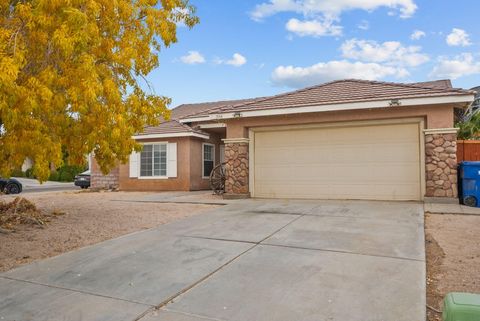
(390, 103)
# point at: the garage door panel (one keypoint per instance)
(347, 191)
(363, 153)
(374, 162)
(336, 172)
(339, 135)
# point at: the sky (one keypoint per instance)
(254, 48)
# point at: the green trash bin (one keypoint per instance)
(461, 307)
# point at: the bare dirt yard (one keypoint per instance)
(86, 218)
(453, 257)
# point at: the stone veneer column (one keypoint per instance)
(441, 162)
(236, 168)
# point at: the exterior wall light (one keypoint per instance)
(395, 102)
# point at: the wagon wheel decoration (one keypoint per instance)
(217, 179)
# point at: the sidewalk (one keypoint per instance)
(32, 185)
(437, 208)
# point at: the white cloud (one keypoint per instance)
(417, 34)
(364, 25)
(459, 66)
(458, 37)
(313, 28)
(264, 10)
(330, 8)
(237, 60)
(389, 52)
(298, 77)
(193, 57)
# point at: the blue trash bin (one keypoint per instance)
(469, 187)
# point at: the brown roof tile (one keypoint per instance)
(173, 126)
(440, 84)
(345, 91)
(340, 91)
(186, 110)
(170, 127)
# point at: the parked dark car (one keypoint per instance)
(83, 179)
(10, 186)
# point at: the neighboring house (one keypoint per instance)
(465, 115)
(476, 103)
(27, 164)
(347, 139)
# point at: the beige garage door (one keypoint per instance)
(379, 162)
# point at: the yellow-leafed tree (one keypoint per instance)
(72, 74)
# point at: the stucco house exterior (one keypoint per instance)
(346, 139)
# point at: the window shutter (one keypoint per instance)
(172, 160)
(134, 164)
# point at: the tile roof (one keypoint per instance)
(170, 127)
(335, 92)
(347, 91)
(441, 84)
(173, 126)
(185, 110)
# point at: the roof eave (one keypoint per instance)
(171, 135)
(462, 100)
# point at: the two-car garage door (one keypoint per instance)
(379, 162)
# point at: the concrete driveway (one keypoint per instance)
(249, 260)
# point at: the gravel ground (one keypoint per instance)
(453, 257)
(89, 218)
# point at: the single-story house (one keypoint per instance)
(346, 139)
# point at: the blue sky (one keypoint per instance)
(251, 48)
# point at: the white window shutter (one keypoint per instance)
(134, 164)
(172, 160)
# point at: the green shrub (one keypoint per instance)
(17, 173)
(67, 173)
(29, 173)
(54, 176)
(66, 176)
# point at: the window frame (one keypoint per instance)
(166, 162)
(203, 158)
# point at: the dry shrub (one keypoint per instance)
(21, 211)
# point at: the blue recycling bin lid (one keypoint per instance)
(470, 170)
(470, 163)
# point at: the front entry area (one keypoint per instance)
(371, 161)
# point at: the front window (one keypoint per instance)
(153, 160)
(208, 159)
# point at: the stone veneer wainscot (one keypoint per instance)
(236, 167)
(441, 162)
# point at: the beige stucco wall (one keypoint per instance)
(180, 183)
(436, 116)
(189, 167)
(189, 149)
(197, 181)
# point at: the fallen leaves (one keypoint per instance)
(21, 211)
